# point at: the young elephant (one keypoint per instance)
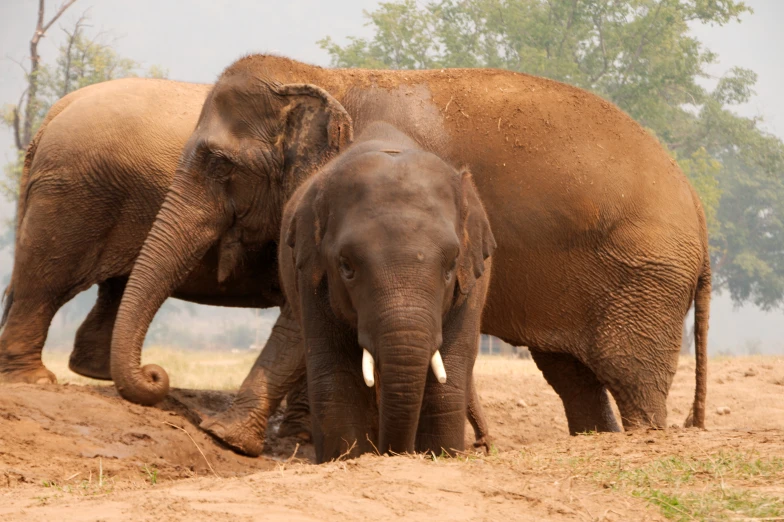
(385, 263)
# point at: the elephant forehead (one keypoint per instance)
(403, 179)
(394, 227)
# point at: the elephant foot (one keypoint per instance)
(238, 432)
(94, 367)
(296, 426)
(38, 375)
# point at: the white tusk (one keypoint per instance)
(438, 367)
(367, 368)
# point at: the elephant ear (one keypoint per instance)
(303, 223)
(316, 128)
(477, 242)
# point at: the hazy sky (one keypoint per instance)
(195, 44)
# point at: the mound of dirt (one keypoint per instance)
(82, 453)
(52, 433)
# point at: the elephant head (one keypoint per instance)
(255, 141)
(400, 238)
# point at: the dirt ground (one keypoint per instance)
(70, 452)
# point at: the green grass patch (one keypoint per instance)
(724, 486)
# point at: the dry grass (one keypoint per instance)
(225, 370)
(187, 369)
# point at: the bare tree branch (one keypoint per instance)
(17, 137)
(72, 37)
(35, 61)
(20, 64)
(597, 20)
(60, 12)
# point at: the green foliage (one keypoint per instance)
(156, 71)
(703, 170)
(641, 55)
(9, 185)
(81, 61)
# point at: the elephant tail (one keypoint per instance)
(701, 315)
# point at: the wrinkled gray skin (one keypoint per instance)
(387, 249)
(602, 241)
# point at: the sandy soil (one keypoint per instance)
(80, 453)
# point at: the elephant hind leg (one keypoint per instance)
(584, 397)
(92, 347)
(23, 338)
(640, 382)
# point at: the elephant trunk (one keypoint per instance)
(405, 353)
(189, 222)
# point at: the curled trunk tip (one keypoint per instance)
(154, 387)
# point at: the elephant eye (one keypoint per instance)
(219, 168)
(346, 271)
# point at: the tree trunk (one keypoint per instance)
(31, 108)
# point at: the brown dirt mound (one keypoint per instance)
(49, 433)
(82, 453)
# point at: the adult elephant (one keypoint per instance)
(94, 178)
(602, 241)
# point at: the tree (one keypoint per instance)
(82, 60)
(24, 136)
(22, 123)
(640, 55)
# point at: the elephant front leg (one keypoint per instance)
(276, 371)
(442, 419)
(296, 420)
(445, 406)
(343, 408)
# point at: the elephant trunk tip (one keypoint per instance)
(149, 387)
